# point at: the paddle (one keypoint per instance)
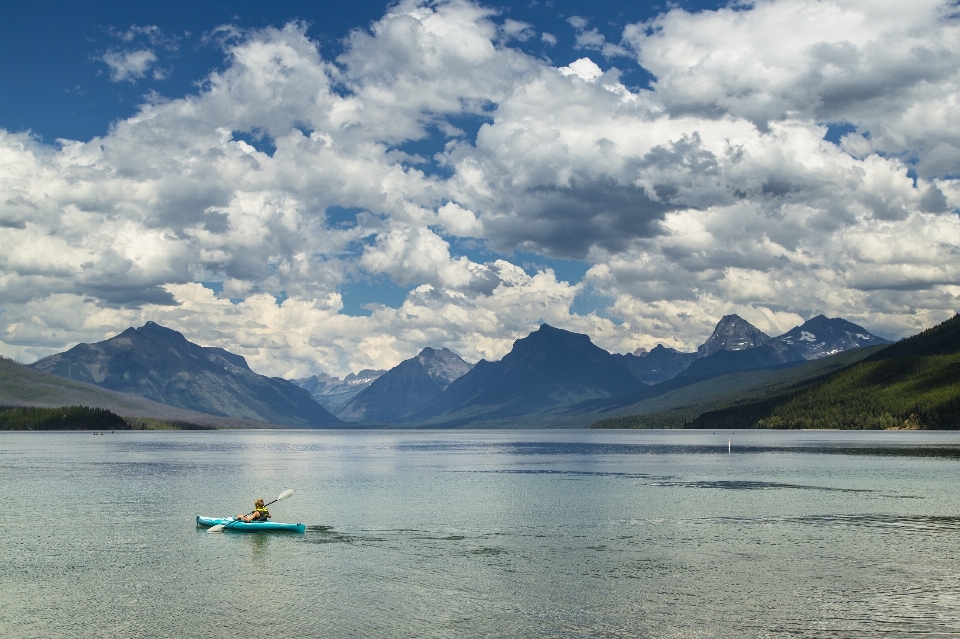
(220, 527)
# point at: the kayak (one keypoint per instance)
(229, 523)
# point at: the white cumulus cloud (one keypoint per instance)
(129, 65)
(715, 191)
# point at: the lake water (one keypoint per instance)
(483, 534)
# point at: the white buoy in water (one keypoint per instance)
(728, 447)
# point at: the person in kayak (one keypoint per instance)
(260, 513)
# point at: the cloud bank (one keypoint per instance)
(286, 177)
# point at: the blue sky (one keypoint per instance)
(326, 187)
(57, 85)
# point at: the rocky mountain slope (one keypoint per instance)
(732, 333)
(159, 364)
(21, 385)
(550, 367)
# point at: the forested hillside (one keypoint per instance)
(64, 418)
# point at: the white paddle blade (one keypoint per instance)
(216, 528)
(285, 494)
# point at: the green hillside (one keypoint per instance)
(672, 405)
(914, 383)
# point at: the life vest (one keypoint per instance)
(262, 513)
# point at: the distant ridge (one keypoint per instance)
(558, 378)
(658, 365)
(406, 387)
(332, 392)
(159, 364)
(772, 354)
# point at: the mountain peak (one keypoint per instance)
(547, 329)
(443, 365)
(732, 333)
(153, 331)
(822, 336)
(660, 348)
(547, 334)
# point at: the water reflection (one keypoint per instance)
(653, 480)
(260, 544)
(894, 523)
(754, 485)
(327, 535)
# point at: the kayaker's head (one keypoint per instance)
(258, 503)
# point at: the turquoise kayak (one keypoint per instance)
(229, 523)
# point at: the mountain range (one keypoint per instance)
(159, 364)
(914, 383)
(738, 345)
(551, 377)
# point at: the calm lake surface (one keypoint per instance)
(483, 534)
